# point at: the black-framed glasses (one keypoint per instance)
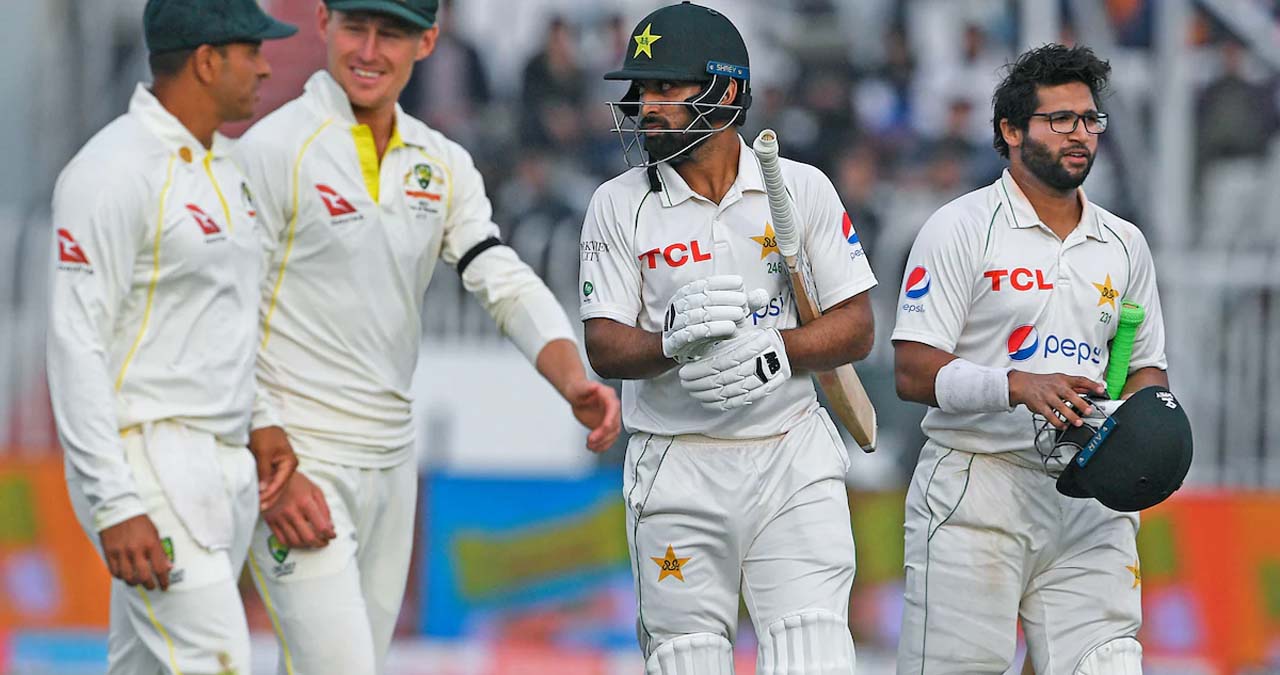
(1065, 121)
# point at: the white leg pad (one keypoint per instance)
(815, 642)
(1121, 656)
(692, 654)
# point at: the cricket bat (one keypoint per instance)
(1131, 316)
(845, 394)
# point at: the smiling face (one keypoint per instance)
(372, 55)
(1060, 161)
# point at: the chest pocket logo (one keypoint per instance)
(336, 203)
(207, 224)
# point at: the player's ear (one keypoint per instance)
(323, 17)
(1011, 133)
(427, 43)
(205, 63)
(730, 93)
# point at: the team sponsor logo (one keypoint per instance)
(777, 306)
(917, 283)
(207, 224)
(670, 565)
(279, 552)
(587, 289)
(851, 235)
(1167, 398)
(339, 208)
(1023, 342)
(591, 250)
(768, 241)
(70, 256)
(675, 255)
(1020, 279)
(246, 200)
(1107, 294)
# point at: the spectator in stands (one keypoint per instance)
(449, 91)
(554, 90)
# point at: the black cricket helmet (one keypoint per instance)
(1130, 455)
(682, 43)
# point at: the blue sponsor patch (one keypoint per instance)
(718, 68)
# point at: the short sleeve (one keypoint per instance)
(937, 287)
(836, 257)
(609, 272)
(1148, 345)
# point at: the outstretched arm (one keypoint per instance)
(594, 404)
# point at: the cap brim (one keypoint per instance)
(1069, 482)
(276, 30)
(382, 7)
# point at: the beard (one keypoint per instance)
(1049, 169)
(672, 148)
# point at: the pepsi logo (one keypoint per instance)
(1023, 342)
(847, 227)
(917, 283)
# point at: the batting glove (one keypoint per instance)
(702, 312)
(738, 371)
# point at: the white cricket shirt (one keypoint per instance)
(153, 316)
(639, 247)
(354, 242)
(989, 282)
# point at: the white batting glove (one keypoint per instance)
(738, 371)
(701, 312)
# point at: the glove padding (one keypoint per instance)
(738, 371)
(702, 311)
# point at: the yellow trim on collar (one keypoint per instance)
(367, 151)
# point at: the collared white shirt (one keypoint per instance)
(355, 242)
(639, 247)
(156, 266)
(989, 282)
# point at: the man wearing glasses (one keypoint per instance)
(1011, 295)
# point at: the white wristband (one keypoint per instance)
(966, 387)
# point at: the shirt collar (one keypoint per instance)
(676, 191)
(169, 129)
(333, 102)
(1023, 215)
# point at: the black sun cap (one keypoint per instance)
(171, 25)
(1136, 458)
(684, 43)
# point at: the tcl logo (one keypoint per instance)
(675, 255)
(1020, 279)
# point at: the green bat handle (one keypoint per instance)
(1131, 316)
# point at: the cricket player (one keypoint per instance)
(734, 476)
(1012, 293)
(361, 200)
(151, 342)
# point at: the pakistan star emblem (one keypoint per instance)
(671, 565)
(644, 42)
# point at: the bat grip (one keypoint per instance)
(1131, 316)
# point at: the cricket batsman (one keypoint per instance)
(734, 476)
(151, 342)
(360, 201)
(1012, 294)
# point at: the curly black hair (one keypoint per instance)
(1051, 65)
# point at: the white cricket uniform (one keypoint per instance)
(988, 537)
(151, 340)
(749, 499)
(355, 242)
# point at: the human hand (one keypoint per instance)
(276, 463)
(1056, 396)
(134, 554)
(300, 517)
(596, 407)
(738, 371)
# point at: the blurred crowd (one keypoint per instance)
(891, 100)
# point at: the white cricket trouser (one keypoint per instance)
(334, 609)
(989, 540)
(707, 518)
(197, 627)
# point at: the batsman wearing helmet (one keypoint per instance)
(1020, 509)
(734, 476)
(360, 200)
